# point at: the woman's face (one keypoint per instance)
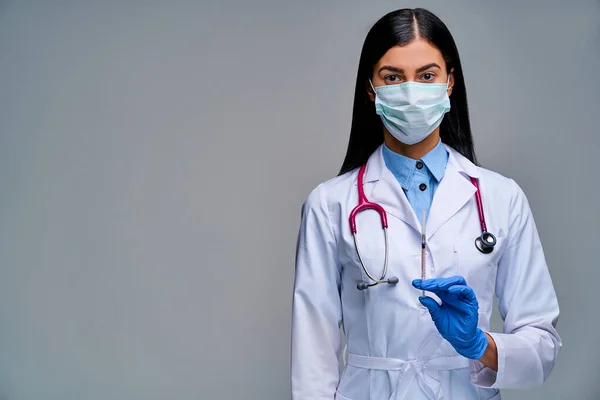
(417, 61)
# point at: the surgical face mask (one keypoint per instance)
(412, 110)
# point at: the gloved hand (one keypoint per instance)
(456, 319)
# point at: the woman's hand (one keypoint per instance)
(457, 317)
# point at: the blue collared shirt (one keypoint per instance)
(419, 178)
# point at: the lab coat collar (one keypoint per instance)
(376, 164)
(462, 163)
(386, 191)
(453, 192)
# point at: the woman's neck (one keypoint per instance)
(414, 151)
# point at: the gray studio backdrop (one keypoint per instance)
(154, 157)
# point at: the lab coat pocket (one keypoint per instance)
(478, 269)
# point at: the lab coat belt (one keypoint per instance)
(424, 370)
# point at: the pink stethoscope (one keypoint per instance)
(484, 243)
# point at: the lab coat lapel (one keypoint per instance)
(454, 191)
(387, 192)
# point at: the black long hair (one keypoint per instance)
(399, 28)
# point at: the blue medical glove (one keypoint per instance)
(456, 319)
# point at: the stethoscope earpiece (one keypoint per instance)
(393, 280)
(364, 286)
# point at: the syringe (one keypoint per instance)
(423, 264)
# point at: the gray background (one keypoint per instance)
(154, 157)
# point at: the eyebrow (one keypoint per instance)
(401, 71)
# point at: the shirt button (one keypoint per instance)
(422, 186)
(419, 165)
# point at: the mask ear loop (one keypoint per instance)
(372, 87)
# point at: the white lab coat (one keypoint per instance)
(394, 350)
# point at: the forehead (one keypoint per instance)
(411, 56)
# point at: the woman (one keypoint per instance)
(416, 312)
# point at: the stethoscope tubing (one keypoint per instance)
(484, 243)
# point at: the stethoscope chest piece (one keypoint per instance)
(485, 242)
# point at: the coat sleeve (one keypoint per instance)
(529, 346)
(316, 308)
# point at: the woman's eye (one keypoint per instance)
(393, 78)
(428, 76)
